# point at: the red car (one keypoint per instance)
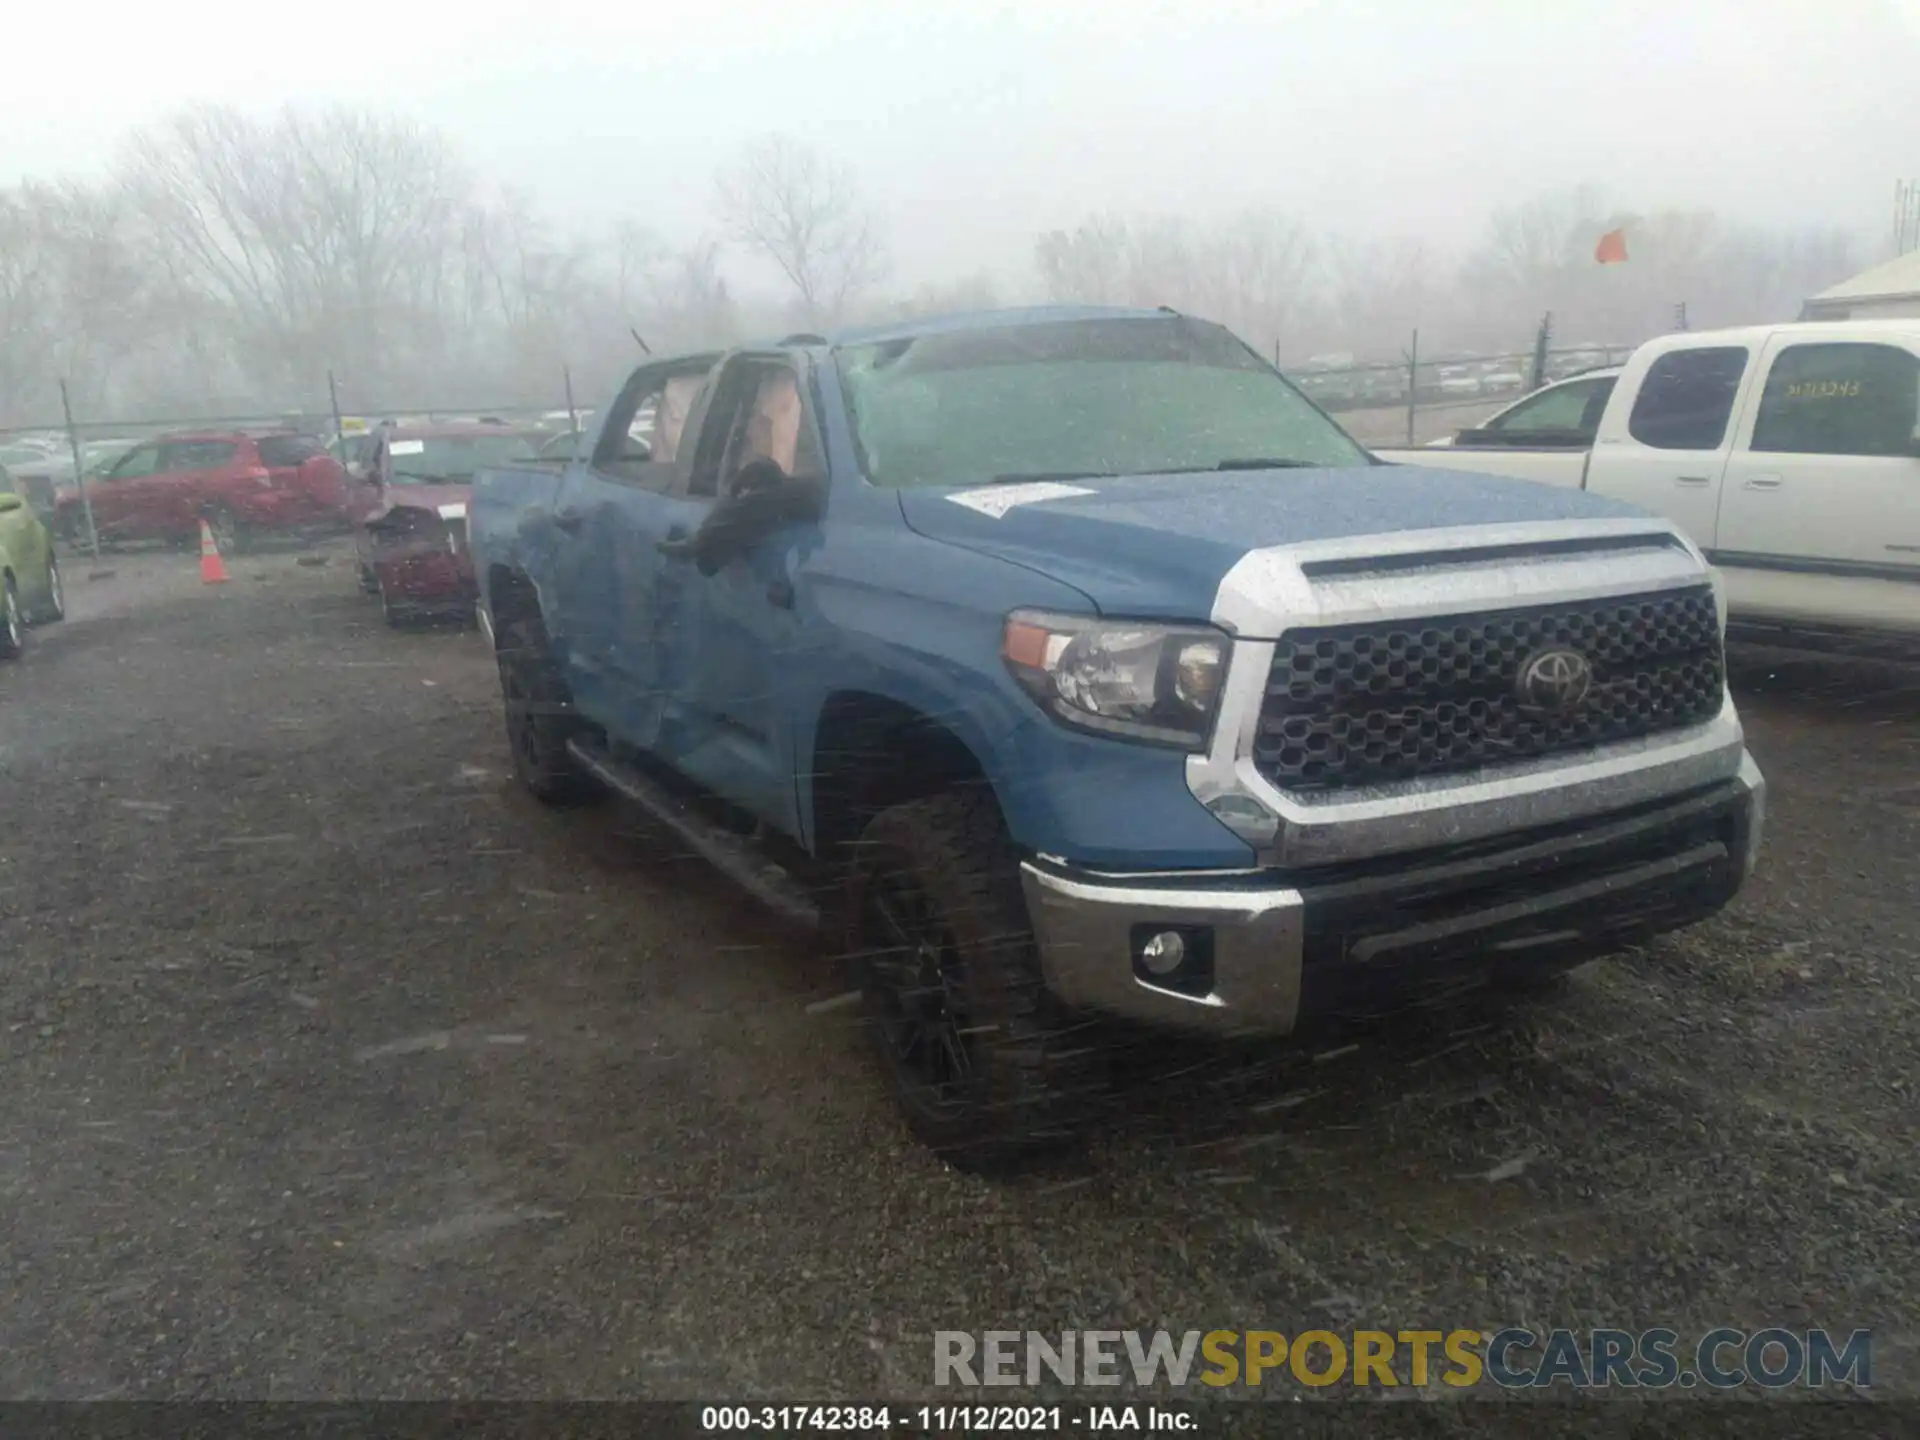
(242, 485)
(408, 504)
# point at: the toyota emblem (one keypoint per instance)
(1555, 680)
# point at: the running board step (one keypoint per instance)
(738, 859)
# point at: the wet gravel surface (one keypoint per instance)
(330, 1065)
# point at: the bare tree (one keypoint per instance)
(1380, 290)
(26, 306)
(322, 236)
(803, 213)
(1532, 246)
(1539, 256)
(541, 288)
(78, 300)
(1088, 264)
(233, 261)
(689, 300)
(1259, 276)
(1772, 274)
(969, 292)
(1252, 273)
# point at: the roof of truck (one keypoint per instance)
(986, 320)
(1802, 329)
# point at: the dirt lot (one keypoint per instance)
(332, 1066)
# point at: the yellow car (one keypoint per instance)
(30, 592)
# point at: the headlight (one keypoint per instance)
(1159, 683)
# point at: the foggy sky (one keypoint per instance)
(971, 127)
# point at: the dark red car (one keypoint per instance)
(242, 485)
(408, 504)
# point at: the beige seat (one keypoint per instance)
(773, 430)
(670, 417)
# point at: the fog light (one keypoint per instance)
(1173, 957)
(1164, 953)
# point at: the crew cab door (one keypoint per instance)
(610, 516)
(1668, 451)
(730, 642)
(1820, 515)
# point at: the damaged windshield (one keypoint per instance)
(1082, 398)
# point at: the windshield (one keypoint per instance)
(440, 459)
(1076, 398)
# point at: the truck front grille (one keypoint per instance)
(1367, 704)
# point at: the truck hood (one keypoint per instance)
(1159, 544)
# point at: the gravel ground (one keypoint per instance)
(332, 1066)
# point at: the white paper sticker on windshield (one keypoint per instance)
(453, 512)
(407, 447)
(997, 500)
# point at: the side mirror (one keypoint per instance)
(764, 502)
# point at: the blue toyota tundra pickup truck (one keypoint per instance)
(1069, 663)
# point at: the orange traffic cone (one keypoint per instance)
(213, 570)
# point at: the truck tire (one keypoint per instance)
(987, 1066)
(540, 718)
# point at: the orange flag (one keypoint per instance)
(1612, 248)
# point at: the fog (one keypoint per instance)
(1034, 871)
(1379, 141)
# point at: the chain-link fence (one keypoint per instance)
(104, 432)
(1408, 401)
(1418, 398)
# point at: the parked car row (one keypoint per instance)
(242, 484)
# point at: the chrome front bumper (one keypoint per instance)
(1561, 892)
